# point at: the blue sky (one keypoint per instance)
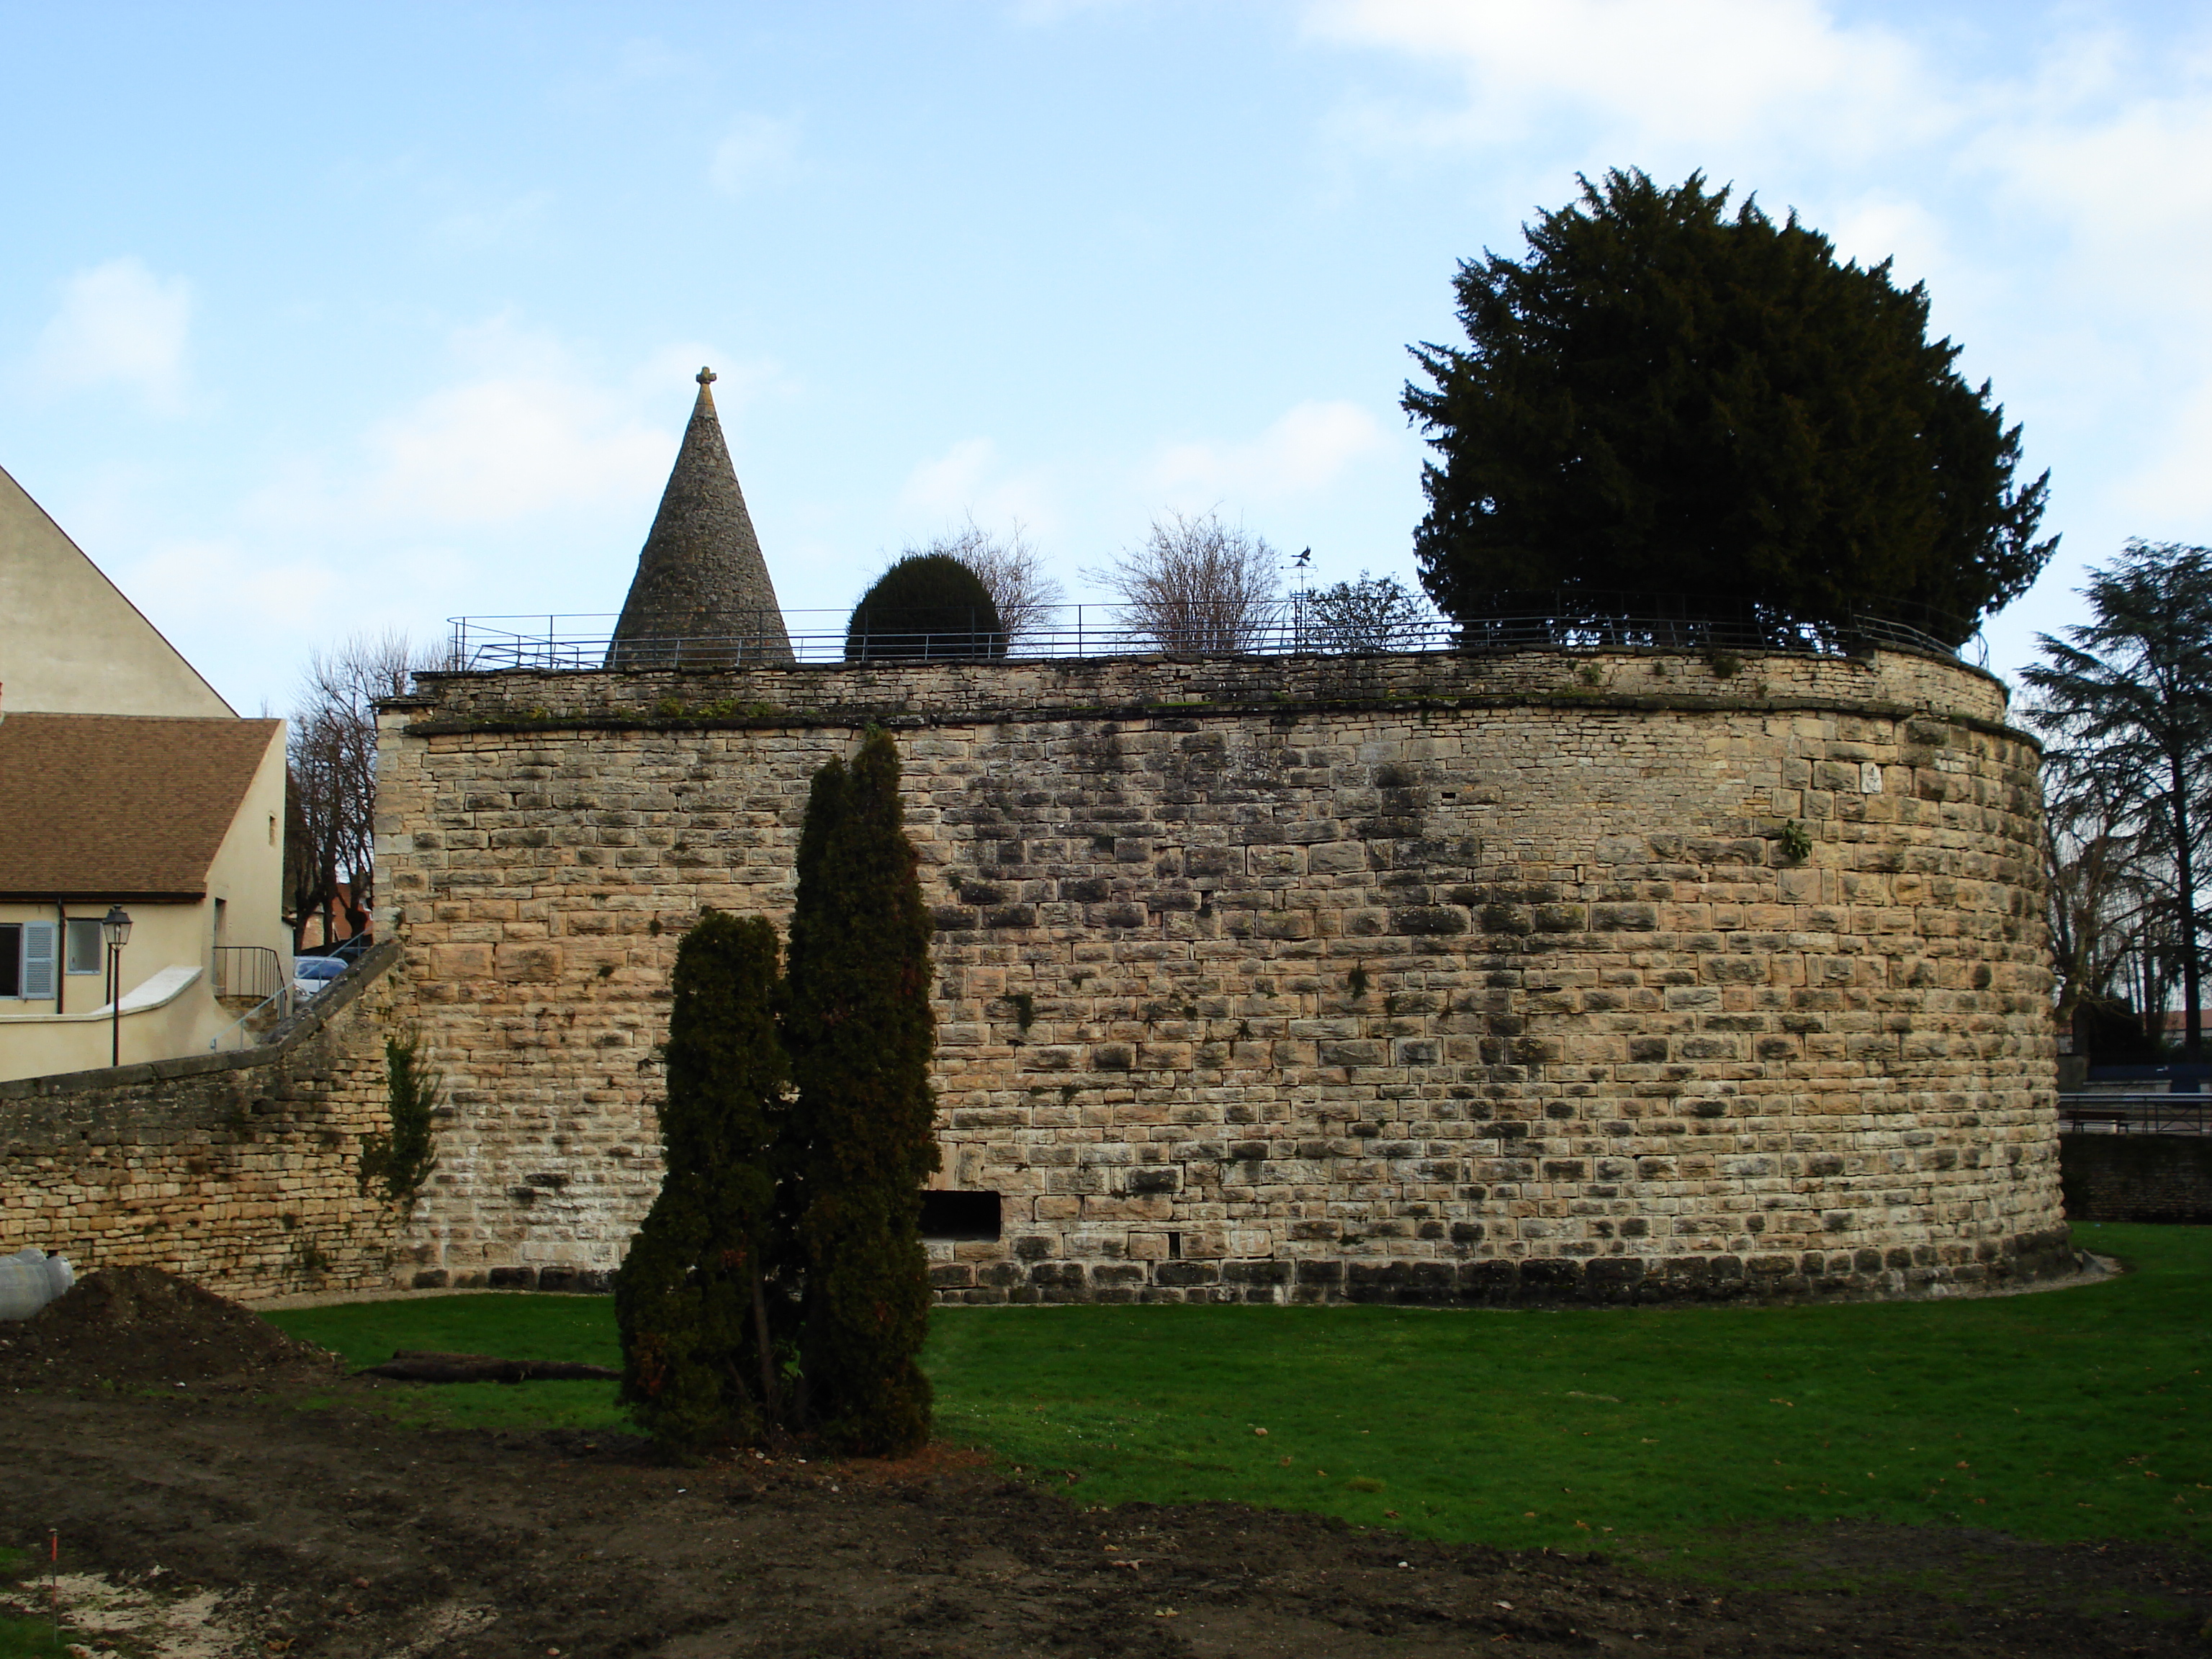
(323, 319)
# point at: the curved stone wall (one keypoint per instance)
(1433, 977)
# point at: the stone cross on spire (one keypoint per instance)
(702, 595)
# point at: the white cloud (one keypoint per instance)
(2046, 170)
(968, 481)
(737, 384)
(644, 67)
(476, 228)
(1705, 71)
(1306, 449)
(528, 477)
(758, 150)
(2131, 178)
(1043, 14)
(950, 481)
(650, 59)
(501, 449)
(2170, 493)
(119, 323)
(196, 586)
(1881, 225)
(2099, 136)
(524, 432)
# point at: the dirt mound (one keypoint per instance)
(139, 1325)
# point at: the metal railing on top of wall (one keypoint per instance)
(2139, 1114)
(1512, 622)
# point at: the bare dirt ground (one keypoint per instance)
(225, 1520)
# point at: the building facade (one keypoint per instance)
(125, 781)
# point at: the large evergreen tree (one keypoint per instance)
(694, 1300)
(859, 1022)
(1663, 399)
(2128, 699)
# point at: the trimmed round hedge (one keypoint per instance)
(929, 607)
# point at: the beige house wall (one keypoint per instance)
(248, 869)
(168, 1013)
(70, 642)
(246, 874)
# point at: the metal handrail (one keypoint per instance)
(247, 970)
(2136, 1113)
(281, 996)
(1566, 621)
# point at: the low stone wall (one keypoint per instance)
(238, 1170)
(2137, 1177)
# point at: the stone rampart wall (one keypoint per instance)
(2137, 1177)
(1440, 977)
(238, 1170)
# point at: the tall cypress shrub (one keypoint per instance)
(860, 1031)
(694, 1298)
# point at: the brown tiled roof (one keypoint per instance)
(102, 807)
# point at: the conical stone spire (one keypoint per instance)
(702, 595)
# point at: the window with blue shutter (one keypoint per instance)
(39, 961)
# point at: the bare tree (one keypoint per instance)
(1196, 585)
(331, 767)
(2102, 895)
(1010, 569)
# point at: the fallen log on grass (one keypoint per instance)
(420, 1365)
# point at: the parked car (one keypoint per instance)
(309, 975)
(346, 949)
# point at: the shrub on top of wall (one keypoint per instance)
(860, 1032)
(928, 606)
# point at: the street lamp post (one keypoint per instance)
(115, 929)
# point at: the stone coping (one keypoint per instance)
(901, 719)
(923, 695)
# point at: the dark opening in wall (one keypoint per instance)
(957, 1216)
(1175, 1246)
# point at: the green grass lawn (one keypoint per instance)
(510, 1325)
(2067, 1414)
(28, 1638)
(34, 1638)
